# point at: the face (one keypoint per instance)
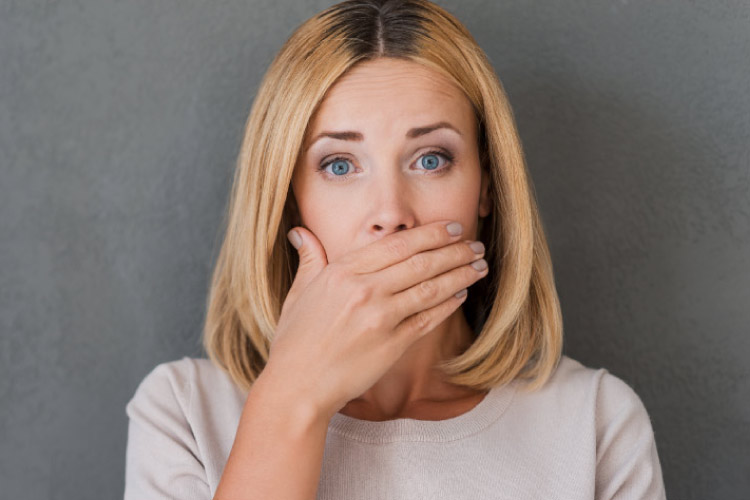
(392, 146)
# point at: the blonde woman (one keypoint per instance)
(383, 321)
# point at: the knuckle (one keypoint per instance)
(462, 252)
(396, 246)
(421, 320)
(361, 294)
(428, 289)
(337, 275)
(374, 322)
(439, 233)
(420, 263)
(343, 260)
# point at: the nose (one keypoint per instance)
(392, 206)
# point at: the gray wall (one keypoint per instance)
(119, 125)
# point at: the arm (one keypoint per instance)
(278, 448)
(628, 466)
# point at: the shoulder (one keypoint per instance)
(171, 442)
(585, 396)
(572, 379)
(607, 405)
(179, 383)
(607, 415)
(168, 379)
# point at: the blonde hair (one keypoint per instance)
(514, 311)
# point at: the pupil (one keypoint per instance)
(343, 166)
(429, 161)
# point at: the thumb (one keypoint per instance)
(312, 255)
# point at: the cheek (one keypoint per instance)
(457, 200)
(329, 212)
(321, 207)
(330, 221)
(458, 195)
(336, 241)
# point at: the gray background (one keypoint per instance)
(119, 126)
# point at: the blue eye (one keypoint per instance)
(429, 161)
(339, 166)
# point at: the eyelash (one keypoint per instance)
(445, 154)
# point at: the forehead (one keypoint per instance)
(385, 89)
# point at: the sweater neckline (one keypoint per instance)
(489, 409)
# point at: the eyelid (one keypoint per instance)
(448, 155)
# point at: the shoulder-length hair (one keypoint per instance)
(514, 311)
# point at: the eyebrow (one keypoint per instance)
(352, 135)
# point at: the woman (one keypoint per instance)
(348, 361)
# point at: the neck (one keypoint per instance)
(414, 378)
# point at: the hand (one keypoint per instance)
(345, 323)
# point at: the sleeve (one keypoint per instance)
(162, 459)
(627, 463)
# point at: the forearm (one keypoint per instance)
(278, 448)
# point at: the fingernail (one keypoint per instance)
(454, 228)
(479, 265)
(294, 238)
(461, 293)
(477, 246)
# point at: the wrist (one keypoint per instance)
(289, 401)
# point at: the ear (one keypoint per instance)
(485, 201)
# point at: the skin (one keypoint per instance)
(384, 184)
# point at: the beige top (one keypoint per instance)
(585, 435)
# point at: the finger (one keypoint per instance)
(312, 258)
(424, 321)
(399, 246)
(425, 265)
(434, 291)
